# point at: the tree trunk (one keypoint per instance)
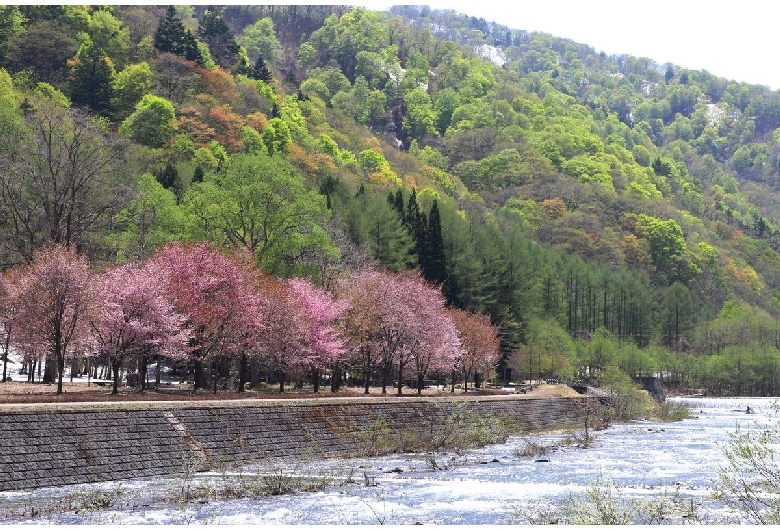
(50, 370)
(254, 373)
(335, 379)
(60, 369)
(242, 365)
(420, 383)
(316, 378)
(115, 368)
(400, 378)
(367, 374)
(281, 382)
(157, 373)
(215, 372)
(385, 375)
(198, 375)
(143, 371)
(5, 365)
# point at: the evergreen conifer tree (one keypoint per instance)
(261, 71)
(169, 37)
(435, 263)
(214, 32)
(189, 48)
(168, 176)
(91, 80)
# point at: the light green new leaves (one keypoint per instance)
(261, 203)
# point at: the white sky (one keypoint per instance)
(737, 40)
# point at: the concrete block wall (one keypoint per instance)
(58, 447)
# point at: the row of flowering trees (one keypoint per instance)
(194, 304)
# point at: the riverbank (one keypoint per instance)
(51, 444)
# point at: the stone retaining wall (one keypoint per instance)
(80, 445)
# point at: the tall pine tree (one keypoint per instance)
(214, 32)
(435, 266)
(169, 36)
(172, 37)
(261, 71)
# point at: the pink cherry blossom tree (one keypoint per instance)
(54, 294)
(361, 321)
(284, 329)
(216, 294)
(416, 326)
(132, 316)
(396, 320)
(322, 345)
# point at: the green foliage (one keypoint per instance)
(260, 41)
(129, 87)
(667, 243)
(152, 124)
(420, 118)
(260, 203)
(92, 76)
(628, 209)
(749, 482)
(149, 221)
(276, 135)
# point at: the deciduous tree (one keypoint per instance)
(132, 316)
(56, 293)
(61, 182)
(215, 293)
(480, 344)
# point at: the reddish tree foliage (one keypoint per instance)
(481, 343)
(190, 122)
(227, 125)
(396, 320)
(283, 330)
(362, 318)
(323, 346)
(217, 83)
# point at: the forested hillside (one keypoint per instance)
(611, 216)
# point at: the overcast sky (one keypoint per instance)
(736, 40)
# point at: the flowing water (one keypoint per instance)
(490, 485)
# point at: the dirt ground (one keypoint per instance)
(21, 392)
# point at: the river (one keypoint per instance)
(491, 485)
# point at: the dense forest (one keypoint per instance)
(611, 216)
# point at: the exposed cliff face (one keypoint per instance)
(79, 446)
